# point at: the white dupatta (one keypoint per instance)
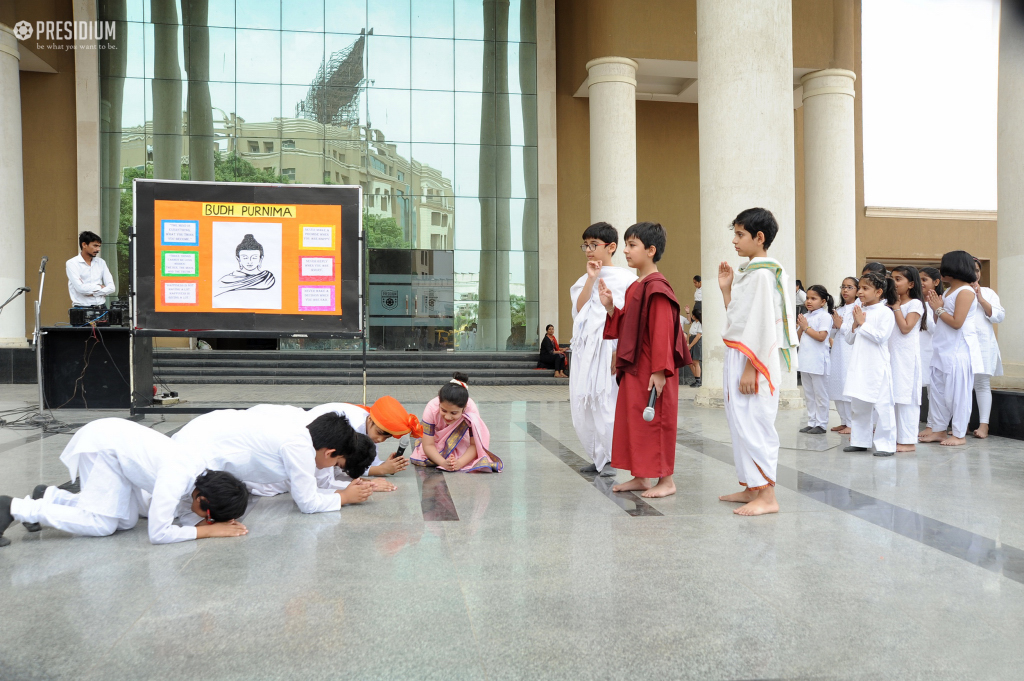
(591, 374)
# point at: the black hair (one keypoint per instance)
(696, 277)
(649, 234)
(876, 267)
(603, 232)
(359, 454)
(842, 301)
(223, 496)
(935, 276)
(824, 295)
(88, 237)
(453, 393)
(886, 284)
(756, 220)
(331, 431)
(695, 313)
(249, 243)
(549, 326)
(800, 285)
(909, 272)
(958, 265)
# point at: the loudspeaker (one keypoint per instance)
(87, 369)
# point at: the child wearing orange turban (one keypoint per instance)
(390, 416)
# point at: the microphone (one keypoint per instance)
(25, 289)
(42, 265)
(649, 411)
(402, 445)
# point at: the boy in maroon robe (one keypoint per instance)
(650, 350)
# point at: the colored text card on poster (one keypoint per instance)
(317, 268)
(316, 298)
(180, 264)
(179, 293)
(318, 236)
(179, 232)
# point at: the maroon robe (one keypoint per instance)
(650, 339)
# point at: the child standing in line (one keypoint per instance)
(695, 345)
(988, 313)
(842, 322)
(650, 351)
(760, 339)
(905, 355)
(956, 354)
(812, 329)
(931, 280)
(455, 438)
(869, 376)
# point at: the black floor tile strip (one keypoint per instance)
(629, 502)
(435, 499)
(976, 549)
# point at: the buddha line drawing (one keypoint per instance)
(250, 275)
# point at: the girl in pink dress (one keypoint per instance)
(455, 438)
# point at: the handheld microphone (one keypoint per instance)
(649, 411)
(402, 445)
(42, 265)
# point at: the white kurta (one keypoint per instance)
(259, 449)
(905, 355)
(123, 467)
(869, 374)
(983, 324)
(592, 386)
(925, 339)
(814, 354)
(840, 354)
(948, 343)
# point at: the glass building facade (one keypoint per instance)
(429, 105)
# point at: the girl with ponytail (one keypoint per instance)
(813, 329)
(905, 354)
(455, 438)
(869, 376)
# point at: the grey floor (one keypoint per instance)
(900, 568)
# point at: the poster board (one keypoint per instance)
(258, 258)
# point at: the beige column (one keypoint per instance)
(1010, 199)
(745, 119)
(612, 91)
(547, 167)
(829, 178)
(12, 193)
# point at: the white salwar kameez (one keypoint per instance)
(760, 329)
(126, 470)
(839, 359)
(869, 380)
(260, 449)
(990, 355)
(815, 363)
(905, 356)
(956, 357)
(592, 386)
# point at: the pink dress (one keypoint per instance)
(452, 440)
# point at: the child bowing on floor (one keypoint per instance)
(455, 438)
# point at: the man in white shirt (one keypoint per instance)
(89, 280)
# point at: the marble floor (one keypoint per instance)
(910, 567)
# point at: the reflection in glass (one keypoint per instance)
(474, 20)
(303, 15)
(433, 117)
(387, 62)
(259, 14)
(302, 54)
(433, 64)
(259, 56)
(345, 16)
(433, 19)
(388, 17)
(390, 112)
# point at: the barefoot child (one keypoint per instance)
(117, 461)
(760, 338)
(592, 386)
(956, 354)
(988, 313)
(812, 329)
(651, 348)
(869, 375)
(905, 355)
(695, 345)
(455, 438)
(839, 357)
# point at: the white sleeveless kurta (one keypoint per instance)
(984, 325)
(905, 355)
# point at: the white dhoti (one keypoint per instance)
(908, 423)
(593, 417)
(883, 422)
(64, 511)
(816, 396)
(755, 442)
(949, 396)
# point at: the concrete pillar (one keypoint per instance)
(830, 182)
(745, 119)
(1010, 172)
(12, 193)
(612, 88)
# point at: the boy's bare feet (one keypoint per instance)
(845, 430)
(954, 441)
(931, 436)
(666, 487)
(764, 504)
(838, 428)
(744, 497)
(982, 431)
(906, 448)
(634, 485)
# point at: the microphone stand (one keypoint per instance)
(41, 418)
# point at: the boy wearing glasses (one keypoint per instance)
(592, 386)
